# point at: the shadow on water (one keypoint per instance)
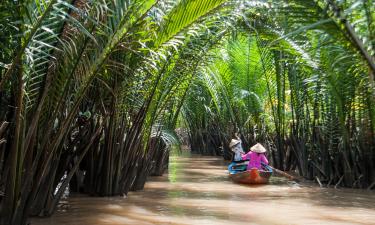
(197, 190)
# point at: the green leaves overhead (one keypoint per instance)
(183, 15)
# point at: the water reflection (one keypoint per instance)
(197, 191)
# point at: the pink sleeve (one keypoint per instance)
(245, 156)
(264, 159)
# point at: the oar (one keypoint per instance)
(282, 173)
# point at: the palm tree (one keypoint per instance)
(68, 54)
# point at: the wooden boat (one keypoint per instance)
(239, 174)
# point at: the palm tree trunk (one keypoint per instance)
(15, 172)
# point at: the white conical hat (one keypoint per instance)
(233, 142)
(258, 148)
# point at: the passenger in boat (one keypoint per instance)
(256, 157)
(236, 146)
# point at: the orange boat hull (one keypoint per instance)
(253, 176)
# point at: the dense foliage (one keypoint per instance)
(298, 78)
(99, 86)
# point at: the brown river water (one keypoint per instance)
(197, 190)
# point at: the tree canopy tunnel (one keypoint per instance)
(102, 86)
(290, 76)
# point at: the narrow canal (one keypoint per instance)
(197, 191)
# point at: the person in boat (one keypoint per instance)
(236, 146)
(256, 157)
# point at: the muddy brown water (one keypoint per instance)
(197, 190)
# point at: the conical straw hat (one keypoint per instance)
(258, 148)
(233, 142)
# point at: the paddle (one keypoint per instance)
(282, 173)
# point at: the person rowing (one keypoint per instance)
(256, 157)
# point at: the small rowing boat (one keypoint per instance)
(239, 174)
